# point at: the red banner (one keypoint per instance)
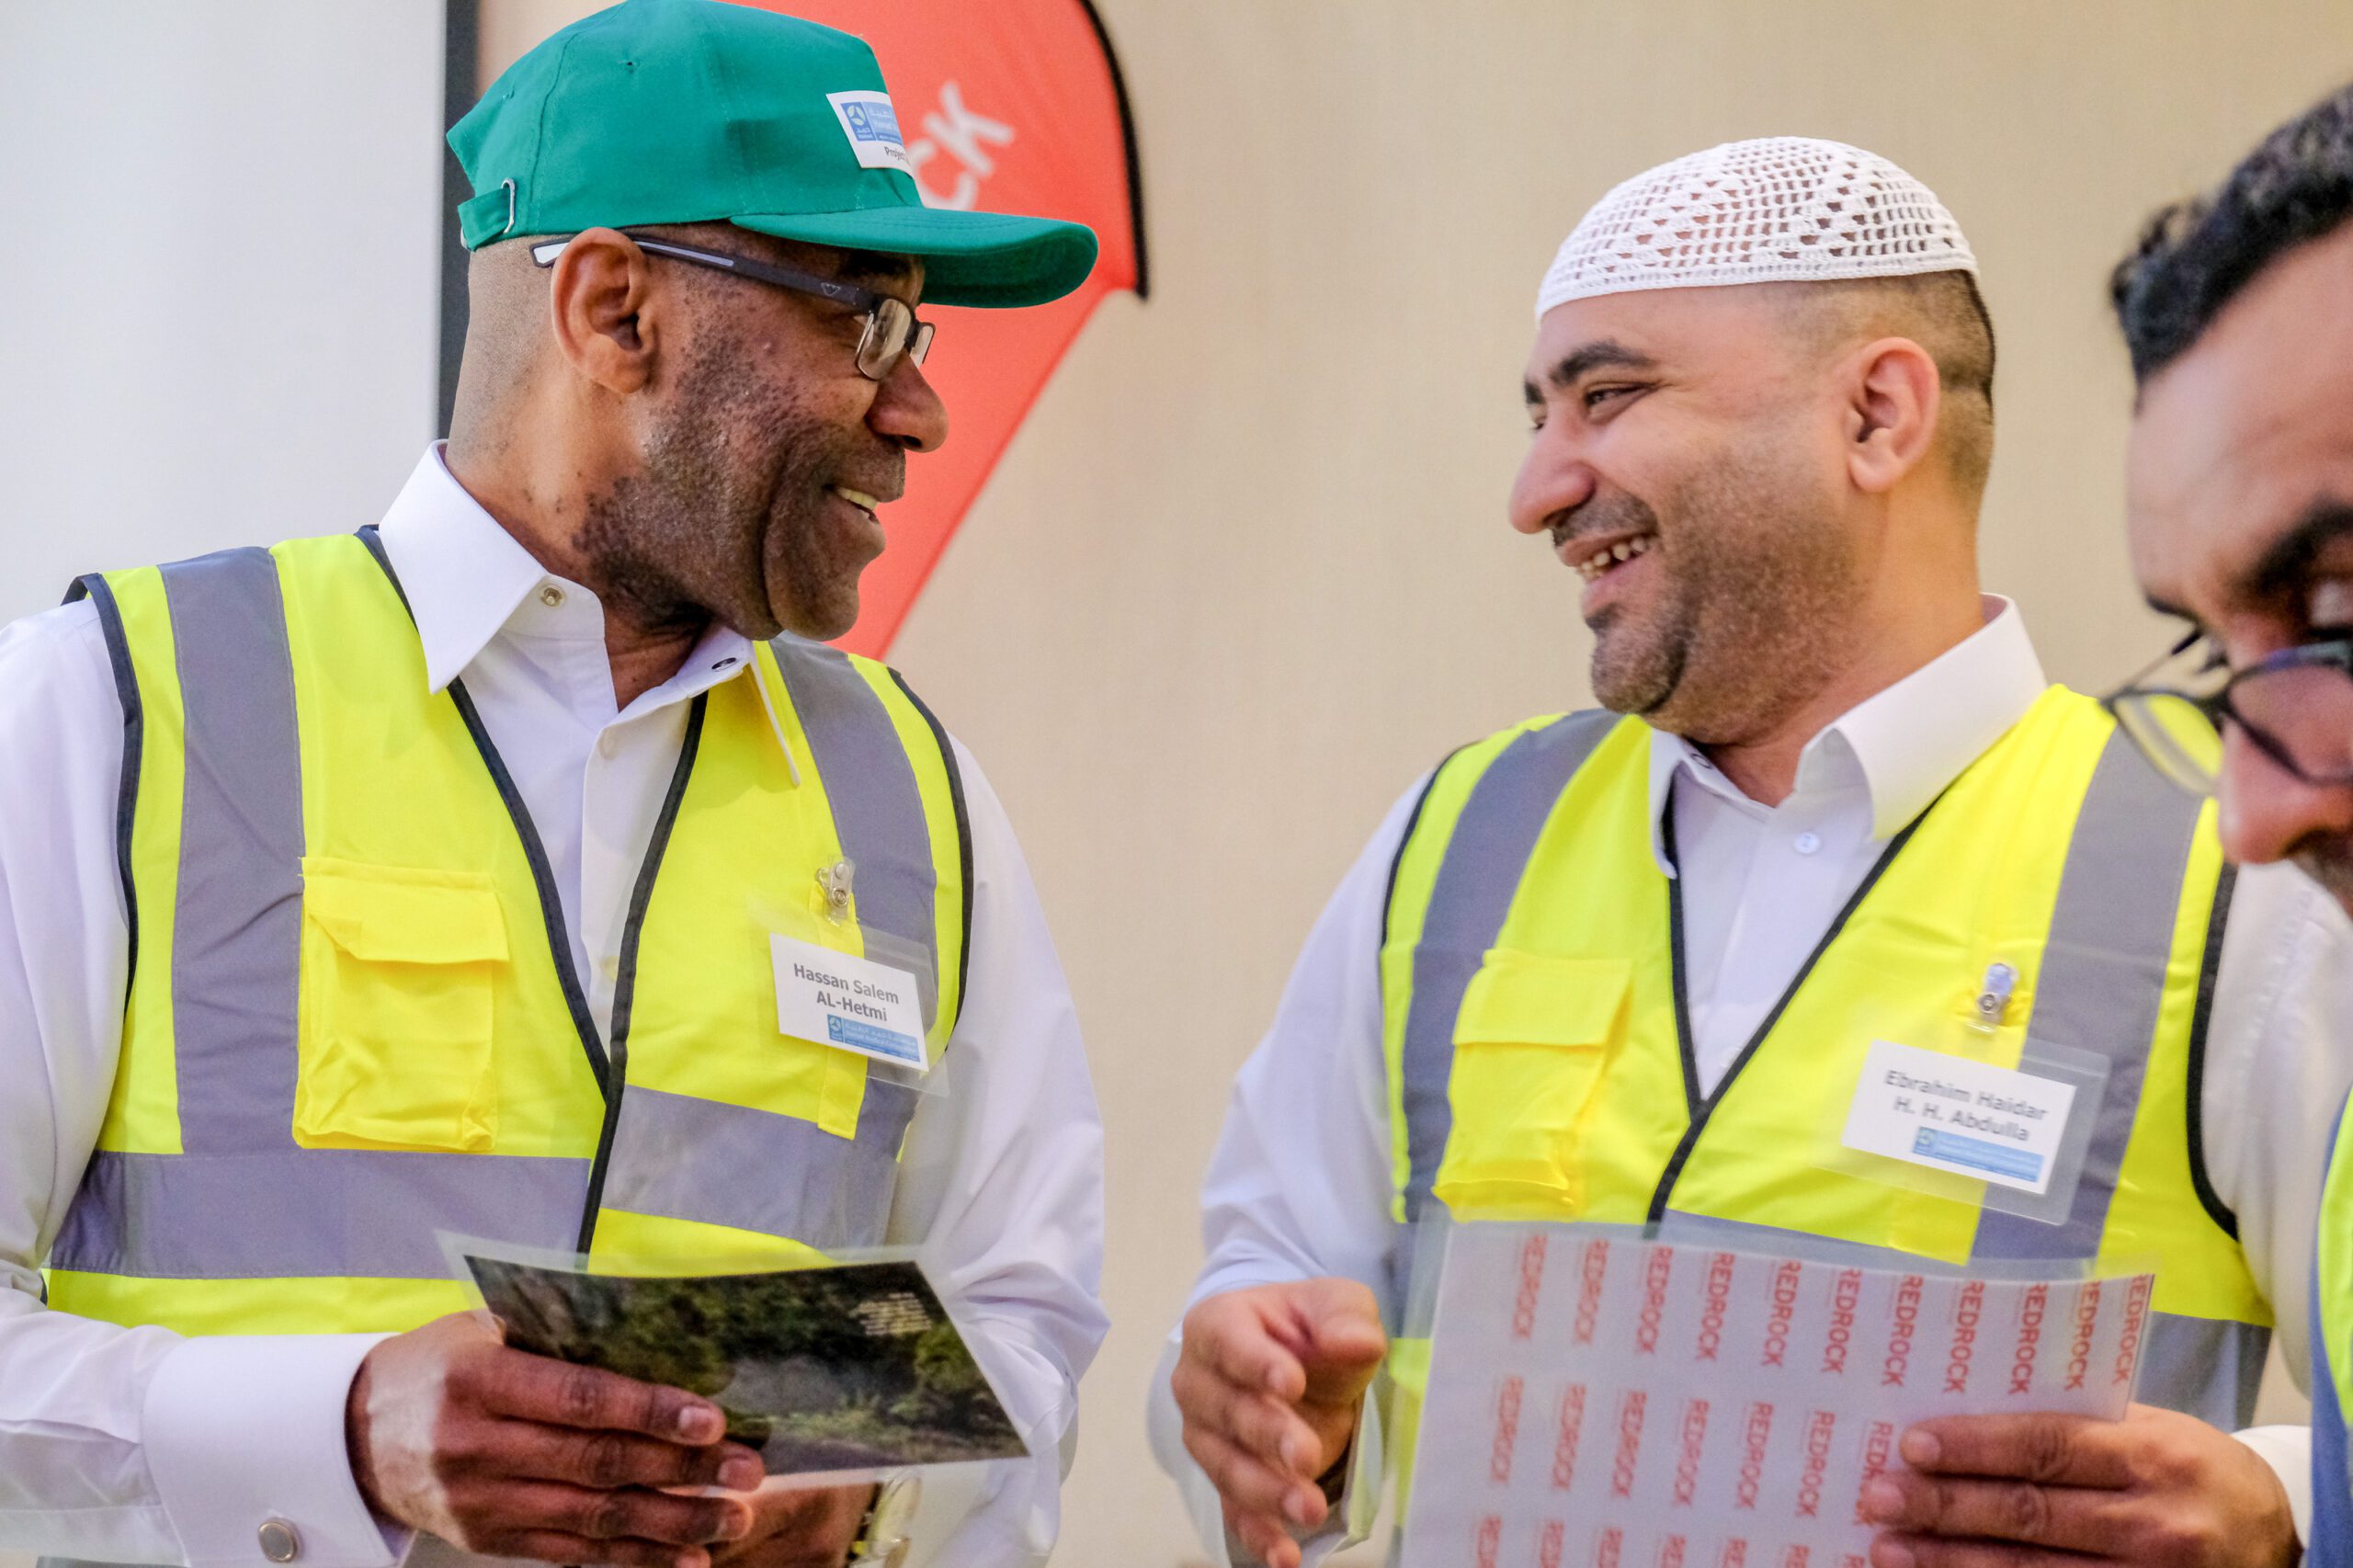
(1014, 106)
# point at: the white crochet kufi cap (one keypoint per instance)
(1780, 209)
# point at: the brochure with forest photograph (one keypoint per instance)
(854, 1368)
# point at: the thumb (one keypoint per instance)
(1344, 1342)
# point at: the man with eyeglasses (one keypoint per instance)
(1628, 965)
(2238, 310)
(456, 875)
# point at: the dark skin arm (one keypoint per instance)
(452, 1433)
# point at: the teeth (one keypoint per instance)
(1602, 560)
(856, 497)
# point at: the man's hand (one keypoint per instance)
(2156, 1488)
(1268, 1382)
(519, 1456)
(813, 1527)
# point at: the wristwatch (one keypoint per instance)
(882, 1538)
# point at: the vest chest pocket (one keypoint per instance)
(1531, 1042)
(398, 967)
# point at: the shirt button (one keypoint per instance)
(609, 968)
(1807, 843)
(608, 744)
(550, 595)
(278, 1542)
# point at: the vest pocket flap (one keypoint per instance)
(400, 976)
(396, 914)
(1523, 998)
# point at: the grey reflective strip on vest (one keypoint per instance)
(307, 1213)
(2203, 1367)
(877, 804)
(2104, 976)
(2102, 988)
(237, 924)
(1484, 860)
(684, 1158)
(681, 1157)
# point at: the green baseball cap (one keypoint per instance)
(685, 111)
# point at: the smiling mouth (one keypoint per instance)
(1608, 556)
(857, 498)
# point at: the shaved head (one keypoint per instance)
(1945, 314)
(506, 336)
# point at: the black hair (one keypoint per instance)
(2196, 256)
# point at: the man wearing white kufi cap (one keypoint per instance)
(1625, 965)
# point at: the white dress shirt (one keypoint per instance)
(137, 1445)
(1300, 1183)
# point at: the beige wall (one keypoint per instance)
(1245, 574)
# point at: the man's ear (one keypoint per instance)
(597, 300)
(1892, 413)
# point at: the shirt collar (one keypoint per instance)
(1902, 745)
(467, 579)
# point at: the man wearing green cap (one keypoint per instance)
(468, 873)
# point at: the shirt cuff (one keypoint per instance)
(2289, 1451)
(245, 1438)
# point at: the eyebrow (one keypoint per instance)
(2283, 563)
(1604, 353)
(2286, 561)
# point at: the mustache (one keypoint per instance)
(1602, 515)
(887, 481)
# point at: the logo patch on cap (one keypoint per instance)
(873, 127)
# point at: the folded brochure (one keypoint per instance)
(830, 1369)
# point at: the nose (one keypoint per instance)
(2265, 813)
(1553, 478)
(906, 410)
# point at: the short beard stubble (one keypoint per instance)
(730, 520)
(1753, 608)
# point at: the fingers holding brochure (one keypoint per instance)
(2158, 1488)
(454, 1433)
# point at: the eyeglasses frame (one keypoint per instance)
(2329, 654)
(867, 301)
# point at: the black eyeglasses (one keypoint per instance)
(2296, 705)
(892, 329)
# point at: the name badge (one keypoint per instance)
(856, 1004)
(1926, 1108)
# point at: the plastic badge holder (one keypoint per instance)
(878, 946)
(884, 947)
(2086, 1072)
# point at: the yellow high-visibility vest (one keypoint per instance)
(352, 1018)
(1538, 1056)
(2331, 1543)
